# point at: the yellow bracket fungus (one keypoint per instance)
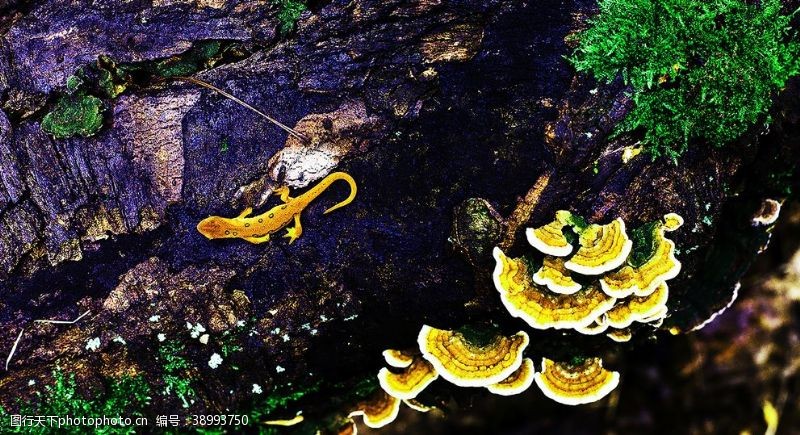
(416, 405)
(381, 410)
(550, 239)
(620, 335)
(576, 383)
(637, 309)
(410, 382)
(468, 363)
(603, 248)
(652, 262)
(555, 276)
(598, 326)
(518, 382)
(540, 308)
(398, 358)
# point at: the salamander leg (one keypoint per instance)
(247, 212)
(257, 240)
(283, 192)
(296, 231)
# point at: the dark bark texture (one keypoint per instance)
(445, 113)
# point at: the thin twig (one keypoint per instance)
(57, 322)
(522, 213)
(62, 322)
(14, 347)
(207, 85)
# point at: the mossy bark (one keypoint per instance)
(429, 106)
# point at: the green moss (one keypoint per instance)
(223, 147)
(480, 335)
(644, 243)
(700, 71)
(74, 115)
(289, 13)
(175, 367)
(125, 397)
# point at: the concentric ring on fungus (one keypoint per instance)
(541, 308)
(471, 364)
(576, 384)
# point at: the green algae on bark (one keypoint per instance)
(79, 115)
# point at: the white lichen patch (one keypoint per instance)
(161, 337)
(119, 340)
(279, 369)
(215, 360)
(197, 330)
(154, 318)
(257, 389)
(93, 344)
(204, 339)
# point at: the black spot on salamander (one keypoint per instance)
(247, 225)
(283, 207)
(227, 232)
(261, 221)
(235, 233)
(272, 215)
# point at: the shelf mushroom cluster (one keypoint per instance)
(593, 279)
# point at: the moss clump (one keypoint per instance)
(644, 244)
(290, 11)
(74, 115)
(700, 71)
(126, 397)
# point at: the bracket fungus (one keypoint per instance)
(408, 383)
(550, 239)
(598, 326)
(518, 382)
(380, 410)
(652, 262)
(577, 382)
(472, 362)
(620, 335)
(398, 358)
(543, 309)
(603, 248)
(555, 276)
(638, 308)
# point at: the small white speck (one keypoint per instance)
(323, 318)
(189, 325)
(306, 326)
(257, 389)
(276, 331)
(273, 312)
(162, 337)
(197, 330)
(93, 344)
(279, 369)
(119, 340)
(314, 331)
(155, 318)
(240, 323)
(350, 317)
(31, 383)
(215, 360)
(285, 337)
(204, 339)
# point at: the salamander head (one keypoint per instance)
(216, 227)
